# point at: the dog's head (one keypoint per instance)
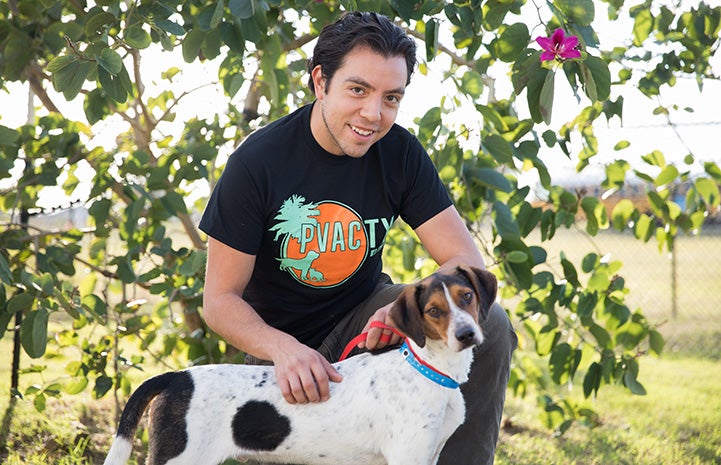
(446, 305)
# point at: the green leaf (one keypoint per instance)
(232, 36)
(601, 76)
(34, 333)
(75, 385)
(137, 37)
(713, 170)
(709, 191)
(118, 86)
(170, 27)
(431, 39)
(512, 41)
(472, 83)
(191, 44)
(6, 275)
(97, 22)
(174, 203)
(587, 304)
(506, 225)
(655, 158)
(95, 306)
(630, 381)
(242, 9)
(487, 177)
(20, 302)
(498, 148)
(621, 214)
(217, 14)
(545, 100)
(110, 61)
(517, 256)
(60, 62)
(8, 136)
(194, 264)
(601, 335)
(39, 402)
(546, 340)
(581, 12)
(592, 380)
(642, 26)
(656, 342)
(103, 384)
(642, 228)
(70, 79)
(569, 272)
(536, 81)
(428, 124)
(666, 176)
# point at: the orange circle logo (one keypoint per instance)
(327, 246)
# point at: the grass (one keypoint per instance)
(677, 423)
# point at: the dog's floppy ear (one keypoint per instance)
(484, 283)
(407, 316)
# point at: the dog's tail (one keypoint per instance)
(132, 413)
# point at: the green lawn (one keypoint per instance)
(677, 423)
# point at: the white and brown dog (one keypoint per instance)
(398, 407)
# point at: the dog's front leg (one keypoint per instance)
(420, 449)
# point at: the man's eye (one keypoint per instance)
(357, 90)
(393, 99)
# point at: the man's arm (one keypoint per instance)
(447, 240)
(303, 374)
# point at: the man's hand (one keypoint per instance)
(379, 338)
(303, 374)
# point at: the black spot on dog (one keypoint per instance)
(258, 426)
(263, 380)
(170, 436)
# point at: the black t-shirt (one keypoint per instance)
(315, 221)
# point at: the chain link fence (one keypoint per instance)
(680, 292)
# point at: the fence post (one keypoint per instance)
(674, 280)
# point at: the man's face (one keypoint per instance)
(360, 104)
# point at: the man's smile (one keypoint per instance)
(361, 132)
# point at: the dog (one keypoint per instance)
(397, 407)
(303, 265)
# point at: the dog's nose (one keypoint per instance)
(466, 336)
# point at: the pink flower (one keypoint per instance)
(558, 46)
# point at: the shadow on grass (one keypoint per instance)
(5, 428)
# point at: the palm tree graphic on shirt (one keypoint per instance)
(322, 243)
(293, 214)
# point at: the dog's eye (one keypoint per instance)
(467, 297)
(434, 312)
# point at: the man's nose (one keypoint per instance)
(371, 109)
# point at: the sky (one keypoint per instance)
(698, 132)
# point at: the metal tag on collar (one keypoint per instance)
(425, 370)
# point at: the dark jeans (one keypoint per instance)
(474, 442)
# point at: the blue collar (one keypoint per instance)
(425, 369)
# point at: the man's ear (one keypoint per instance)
(319, 81)
(407, 316)
(484, 284)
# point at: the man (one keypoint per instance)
(297, 222)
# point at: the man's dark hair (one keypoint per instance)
(360, 29)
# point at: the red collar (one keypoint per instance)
(418, 363)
